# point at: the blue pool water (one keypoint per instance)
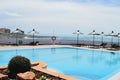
(79, 63)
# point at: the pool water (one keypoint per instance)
(79, 63)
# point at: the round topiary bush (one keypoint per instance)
(18, 64)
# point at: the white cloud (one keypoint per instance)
(64, 14)
(13, 14)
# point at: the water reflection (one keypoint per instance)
(16, 52)
(112, 53)
(105, 58)
(33, 51)
(77, 56)
(93, 57)
(101, 55)
(112, 59)
(33, 54)
(53, 50)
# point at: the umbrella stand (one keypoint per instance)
(93, 33)
(112, 40)
(77, 33)
(102, 34)
(102, 40)
(77, 39)
(16, 38)
(118, 41)
(33, 32)
(17, 31)
(33, 39)
(93, 40)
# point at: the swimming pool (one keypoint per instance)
(76, 62)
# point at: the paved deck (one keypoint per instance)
(115, 77)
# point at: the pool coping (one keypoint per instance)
(9, 47)
(42, 67)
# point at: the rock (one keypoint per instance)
(3, 77)
(26, 76)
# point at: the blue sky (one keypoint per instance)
(61, 16)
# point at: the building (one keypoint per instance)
(5, 30)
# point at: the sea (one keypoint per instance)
(86, 38)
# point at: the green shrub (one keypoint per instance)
(6, 71)
(18, 64)
(43, 77)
